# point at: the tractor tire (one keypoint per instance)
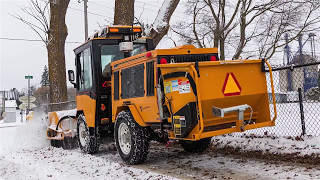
(87, 143)
(56, 143)
(69, 143)
(132, 140)
(195, 146)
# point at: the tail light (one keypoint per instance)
(149, 54)
(163, 61)
(213, 58)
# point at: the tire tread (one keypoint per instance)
(139, 136)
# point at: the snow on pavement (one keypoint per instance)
(18, 136)
(300, 146)
(56, 163)
(25, 153)
(211, 165)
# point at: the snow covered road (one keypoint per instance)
(55, 163)
(26, 155)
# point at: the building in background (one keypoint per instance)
(10, 114)
(302, 77)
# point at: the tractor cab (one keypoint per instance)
(93, 74)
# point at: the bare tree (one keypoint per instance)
(236, 27)
(53, 33)
(41, 94)
(123, 12)
(160, 26)
(293, 17)
(158, 29)
(39, 11)
(224, 25)
(56, 56)
(214, 21)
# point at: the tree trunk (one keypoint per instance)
(222, 49)
(242, 32)
(123, 12)
(56, 56)
(216, 37)
(161, 25)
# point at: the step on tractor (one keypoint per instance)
(129, 90)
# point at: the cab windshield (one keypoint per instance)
(111, 53)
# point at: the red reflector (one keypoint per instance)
(213, 58)
(103, 107)
(163, 61)
(149, 54)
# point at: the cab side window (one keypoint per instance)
(85, 69)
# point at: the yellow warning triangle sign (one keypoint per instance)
(231, 86)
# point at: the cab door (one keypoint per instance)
(86, 98)
(105, 52)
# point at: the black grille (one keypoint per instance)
(116, 85)
(150, 78)
(132, 82)
(188, 58)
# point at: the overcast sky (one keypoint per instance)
(21, 58)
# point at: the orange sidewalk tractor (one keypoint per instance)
(136, 94)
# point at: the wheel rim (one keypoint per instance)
(124, 138)
(82, 134)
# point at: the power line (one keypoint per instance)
(89, 12)
(148, 4)
(134, 6)
(153, 11)
(158, 6)
(32, 40)
(100, 5)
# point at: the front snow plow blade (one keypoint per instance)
(214, 98)
(61, 124)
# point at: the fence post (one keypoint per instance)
(301, 112)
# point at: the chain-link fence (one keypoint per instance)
(298, 100)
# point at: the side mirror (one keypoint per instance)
(71, 75)
(71, 78)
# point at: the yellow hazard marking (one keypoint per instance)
(231, 86)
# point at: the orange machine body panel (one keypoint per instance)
(216, 84)
(144, 109)
(249, 86)
(88, 106)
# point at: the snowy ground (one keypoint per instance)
(300, 146)
(26, 154)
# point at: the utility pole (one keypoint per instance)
(302, 61)
(85, 10)
(28, 95)
(300, 47)
(287, 48)
(289, 71)
(313, 48)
